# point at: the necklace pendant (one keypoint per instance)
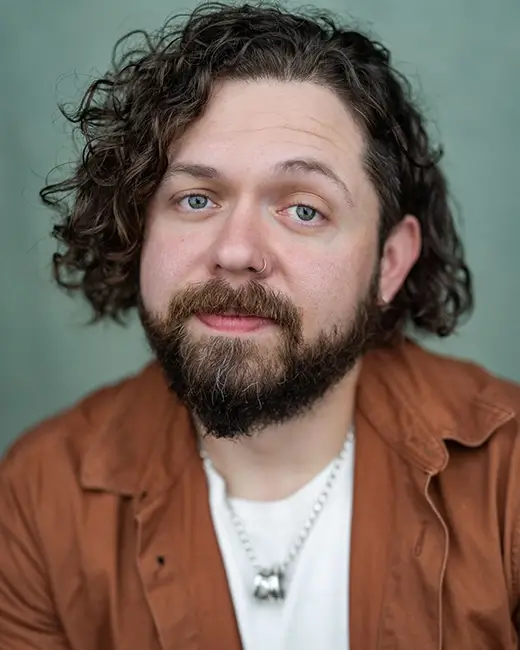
(268, 584)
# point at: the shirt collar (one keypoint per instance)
(144, 439)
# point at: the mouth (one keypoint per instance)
(234, 322)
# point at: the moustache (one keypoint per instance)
(217, 296)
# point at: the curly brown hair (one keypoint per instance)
(155, 91)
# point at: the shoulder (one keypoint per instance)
(452, 398)
(57, 445)
(461, 386)
(450, 372)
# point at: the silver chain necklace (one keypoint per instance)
(269, 583)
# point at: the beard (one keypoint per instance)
(237, 386)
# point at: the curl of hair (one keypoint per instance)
(132, 117)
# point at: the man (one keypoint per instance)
(293, 472)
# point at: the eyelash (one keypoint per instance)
(293, 205)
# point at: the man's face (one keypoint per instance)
(272, 171)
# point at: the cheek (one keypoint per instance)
(334, 286)
(162, 265)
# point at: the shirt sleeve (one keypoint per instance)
(28, 619)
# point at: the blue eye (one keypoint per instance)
(194, 201)
(305, 213)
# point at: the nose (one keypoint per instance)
(239, 249)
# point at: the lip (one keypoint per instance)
(235, 323)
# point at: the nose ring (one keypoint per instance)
(263, 267)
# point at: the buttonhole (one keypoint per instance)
(420, 541)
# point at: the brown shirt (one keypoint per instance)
(106, 539)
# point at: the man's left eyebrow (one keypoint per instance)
(314, 166)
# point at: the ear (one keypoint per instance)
(401, 251)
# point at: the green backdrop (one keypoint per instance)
(464, 58)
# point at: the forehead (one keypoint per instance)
(254, 125)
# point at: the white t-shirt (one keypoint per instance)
(314, 613)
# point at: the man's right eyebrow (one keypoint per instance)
(191, 169)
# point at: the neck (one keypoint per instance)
(279, 460)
